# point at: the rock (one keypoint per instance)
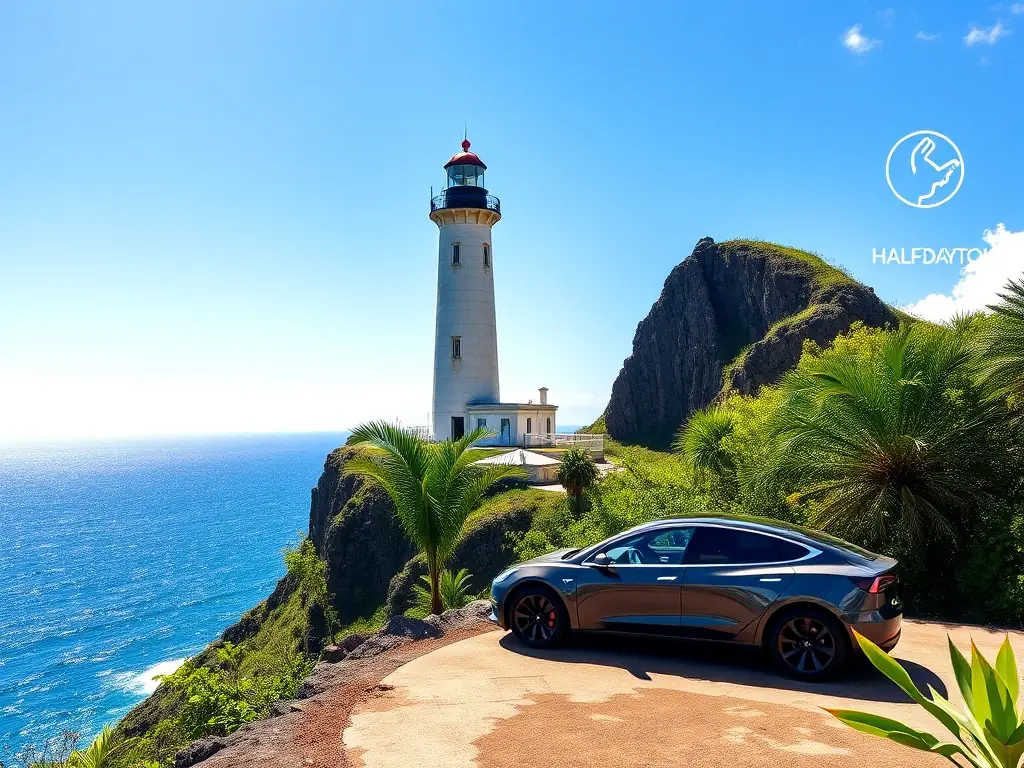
(721, 300)
(350, 642)
(332, 654)
(353, 525)
(198, 751)
(280, 708)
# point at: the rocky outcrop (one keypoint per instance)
(353, 525)
(735, 313)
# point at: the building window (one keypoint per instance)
(487, 255)
(456, 254)
(456, 347)
(549, 427)
(481, 423)
(529, 426)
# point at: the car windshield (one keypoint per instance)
(570, 553)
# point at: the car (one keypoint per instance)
(799, 594)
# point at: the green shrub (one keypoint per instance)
(455, 592)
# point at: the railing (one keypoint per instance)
(593, 443)
(423, 433)
(490, 202)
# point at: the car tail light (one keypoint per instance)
(878, 584)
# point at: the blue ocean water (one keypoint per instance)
(118, 561)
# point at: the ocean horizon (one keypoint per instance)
(122, 558)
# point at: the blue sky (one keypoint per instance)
(213, 215)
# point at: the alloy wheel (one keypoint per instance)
(536, 618)
(806, 645)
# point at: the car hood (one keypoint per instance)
(557, 555)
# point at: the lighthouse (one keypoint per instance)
(466, 391)
(466, 333)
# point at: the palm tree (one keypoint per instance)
(1002, 361)
(701, 442)
(577, 472)
(434, 486)
(890, 440)
(454, 589)
(97, 754)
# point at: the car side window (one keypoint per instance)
(712, 545)
(669, 547)
(663, 547)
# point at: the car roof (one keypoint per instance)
(764, 525)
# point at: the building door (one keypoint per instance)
(506, 432)
(458, 427)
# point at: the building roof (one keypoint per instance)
(511, 407)
(465, 157)
(520, 458)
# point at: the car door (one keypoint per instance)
(731, 578)
(640, 590)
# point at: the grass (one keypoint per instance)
(825, 274)
(509, 502)
(366, 625)
(278, 640)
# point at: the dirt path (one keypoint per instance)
(311, 735)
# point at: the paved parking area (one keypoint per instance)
(487, 701)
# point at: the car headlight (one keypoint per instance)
(504, 575)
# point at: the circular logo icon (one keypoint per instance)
(924, 169)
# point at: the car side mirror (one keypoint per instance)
(602, 560)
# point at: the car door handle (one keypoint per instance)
(771, 579)
(666, 578)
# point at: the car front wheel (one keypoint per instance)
(808, 644)
(538, 618)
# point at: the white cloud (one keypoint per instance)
(980, 280)
(855, 41)
(1017, 8)
(980, 35)
(922, 35)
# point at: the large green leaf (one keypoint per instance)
(1006, 668)
(876, 725)
(891, 668)
(992, 703)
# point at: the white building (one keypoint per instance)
(466, 391)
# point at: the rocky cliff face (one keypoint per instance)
(733, 314)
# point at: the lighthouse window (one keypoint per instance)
(456, 254)
(456, 347)
(487, 255)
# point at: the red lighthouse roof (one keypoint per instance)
(465, 157)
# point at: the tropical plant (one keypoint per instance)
(97, 754)
(454, 589)
(1002, 360)
(434, 486)
(577, 472)
(890, 440)
(701, 441)
(989, 732)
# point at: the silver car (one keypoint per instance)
(797, 593)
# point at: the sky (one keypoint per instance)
(213, 215)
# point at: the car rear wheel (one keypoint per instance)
(808, 644)
(538, 618)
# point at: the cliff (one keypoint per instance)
(370, 561)
(731, 316)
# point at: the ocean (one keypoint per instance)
(117, 561)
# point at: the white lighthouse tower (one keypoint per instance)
(466, 335)
(466, 394)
